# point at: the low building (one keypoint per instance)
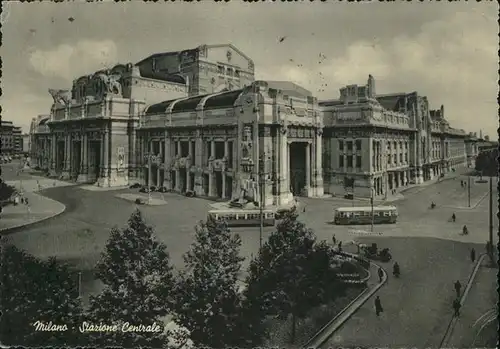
(7, 137)
(40, 142)
(375, 144)
(222, 145)
(17, 134)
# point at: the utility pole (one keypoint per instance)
(491, 222)
(468, 189)
(261, 206)
(371, 202)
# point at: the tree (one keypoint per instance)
(136, 271)
(6, 191)
(36, 292)
(208, 302)
(291, 274)
(487, 163)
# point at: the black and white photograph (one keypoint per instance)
(249, 174)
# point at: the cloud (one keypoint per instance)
(453, 61)
(70, 61)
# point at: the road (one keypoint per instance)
(430, 250)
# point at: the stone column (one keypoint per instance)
(167, 180)
(308, 169)
(104, 178)
(211, 184)
(83, 175)
(150, 165)
(53, 155)
(319, 191)
(158, 169)
(285, 196)
(211, 176)
(67, 157)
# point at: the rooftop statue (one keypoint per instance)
(112, 83)
(61, 96)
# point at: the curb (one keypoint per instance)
(329, 329)
(11, 230)
(472, 206)
(454, 319)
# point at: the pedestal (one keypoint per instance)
(82, 178)
(103, 182)
(65, 175)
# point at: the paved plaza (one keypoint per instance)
(431, 251)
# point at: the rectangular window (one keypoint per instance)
(349, 146)
(237, 74)
(230, 155)
(395, 145)
(349, 161)
(219, 150)
(193, 149)
(341, 145)
(184, 149)
(358, 161)
(208, 147)
(389, 159)
(401, 157)
(220, 69)
(406, 157)
(358, 144)
(341, 161)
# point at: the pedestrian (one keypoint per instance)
(473, 255)
(334, 240)
(456, 307)
(380, 274)
(489, 248)
(304, 209)
(340, 246)
(26, 201)
(378, 306)
(458, 286)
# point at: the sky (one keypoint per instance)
(445, 51)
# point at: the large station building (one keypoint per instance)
(196, 120)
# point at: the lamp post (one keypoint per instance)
(468, 189)
(371, 200)
(150, 158)
(261, 174)
(490, 211)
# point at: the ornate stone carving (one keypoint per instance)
(112, 83)
(61, 96)
(319, 132)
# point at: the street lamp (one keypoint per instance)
(371, 200)
(468, 189)
(150, 158)
(491, 223)
(248, 167)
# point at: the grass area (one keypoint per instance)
(280, 330)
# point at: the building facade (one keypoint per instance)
(375, 144)
(208, 68)
(224, 144)
(7, 137)
(196, 121)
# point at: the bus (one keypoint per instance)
(243, 218)
(363, 215)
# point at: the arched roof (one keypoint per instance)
(159, 108)
(222, 100)
(188, 104)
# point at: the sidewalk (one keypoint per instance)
(476, 310)
(373, 285)
(40, 208)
